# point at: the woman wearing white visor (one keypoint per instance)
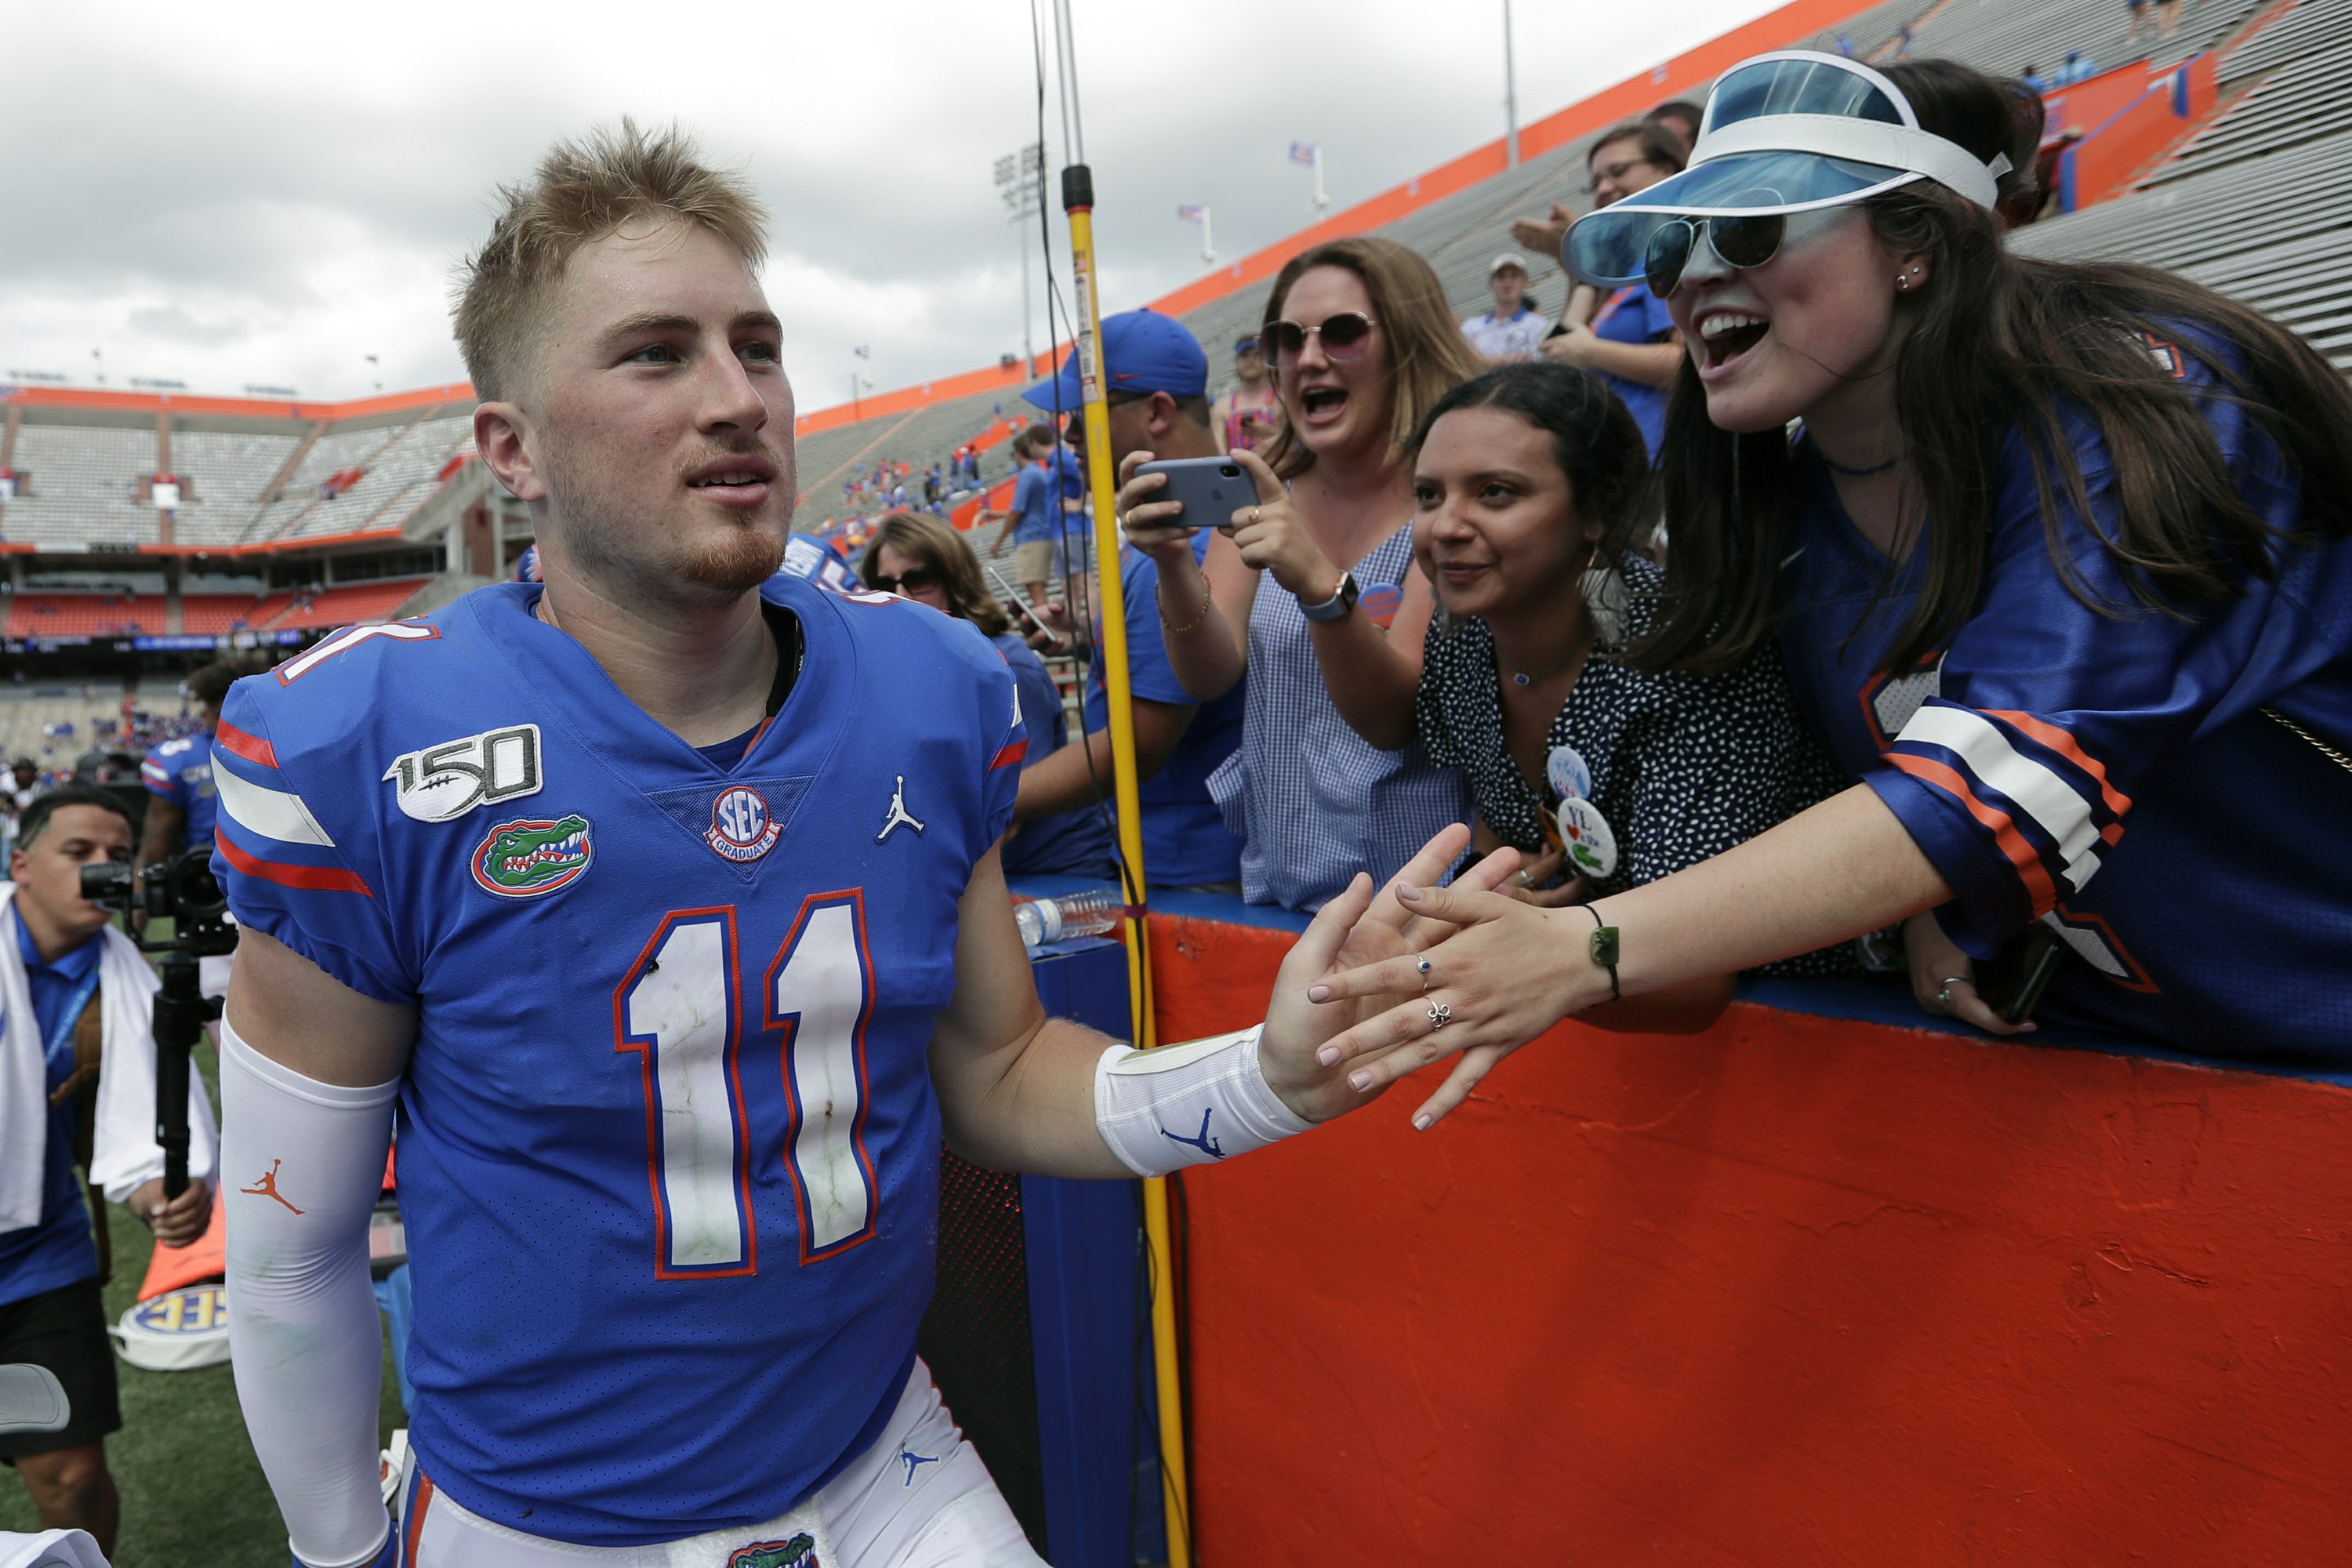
(2056, 557)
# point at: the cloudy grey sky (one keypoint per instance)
(241, 192)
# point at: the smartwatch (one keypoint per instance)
(1336, 608)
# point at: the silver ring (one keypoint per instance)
(1423, 966)
(1438, 1013)
(1253, 515)
(1525, 880)
(1943, 988)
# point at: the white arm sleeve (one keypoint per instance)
(301, 1164)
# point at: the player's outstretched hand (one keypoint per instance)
(1505, 973)
(1353, 933)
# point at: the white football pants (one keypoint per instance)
(919, 1497)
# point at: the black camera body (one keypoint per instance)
(181, 889)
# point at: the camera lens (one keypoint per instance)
(194, 892)
(107, 882)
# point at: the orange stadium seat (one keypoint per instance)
(85, 614)
(359, 602)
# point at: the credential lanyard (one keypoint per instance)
(75, 1006)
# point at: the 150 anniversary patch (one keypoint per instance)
(537, 855)
(443, 782)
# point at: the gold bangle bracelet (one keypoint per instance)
(1160, 600)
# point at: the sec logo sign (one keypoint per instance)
(742, 830)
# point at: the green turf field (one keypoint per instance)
(193, 1496)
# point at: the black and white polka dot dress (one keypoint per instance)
(1683, 766)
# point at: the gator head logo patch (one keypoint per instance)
(797, 1552)
(524, 859)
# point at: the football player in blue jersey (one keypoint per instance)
(178, 774)
(661, 900)
(2058, 566)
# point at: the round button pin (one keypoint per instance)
(1566, 772)
(1591, 843)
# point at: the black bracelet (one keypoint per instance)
(1603, 948)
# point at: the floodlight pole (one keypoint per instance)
(1510, 92)
(1078, 202)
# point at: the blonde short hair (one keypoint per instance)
(1428, 356)
(585, 190)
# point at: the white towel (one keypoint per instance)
(50, 1549)
(124, 1153)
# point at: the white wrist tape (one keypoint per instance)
(1194, 1104)
(302, 1162)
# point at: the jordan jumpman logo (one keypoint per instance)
(268, 1187)
(911, 1460)
(899, 815)
(1204, 1143)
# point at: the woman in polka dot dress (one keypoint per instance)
(1532, 493)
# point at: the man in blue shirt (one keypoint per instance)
(50, 1310)
(1034, 520)
(1157, 391)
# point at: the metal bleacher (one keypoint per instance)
(2259, 204)
(82, 486)
(2012, 35)
(395, 460)
(224, 473)
(2271, 236)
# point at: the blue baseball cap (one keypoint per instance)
(1141, 352)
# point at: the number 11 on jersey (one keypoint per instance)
(678, 1008)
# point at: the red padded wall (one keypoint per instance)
(1792, 1292)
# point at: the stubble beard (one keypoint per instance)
(609, 543)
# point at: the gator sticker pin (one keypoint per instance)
(524, 859)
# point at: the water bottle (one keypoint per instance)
(1044, 920)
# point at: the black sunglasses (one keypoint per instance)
(1742, 241)
(1344, 333)
(909, 581)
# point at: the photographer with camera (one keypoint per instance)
(76, 998)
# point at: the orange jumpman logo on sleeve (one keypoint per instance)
(268, 1187)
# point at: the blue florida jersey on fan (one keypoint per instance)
(2116, 775)
(181, 772)
(668, 1143)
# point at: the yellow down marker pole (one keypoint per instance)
(1078, 201)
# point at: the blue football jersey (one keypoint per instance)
(668, 1143)
(2114, 774)
(181, 772)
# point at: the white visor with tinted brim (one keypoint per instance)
(1784, 133)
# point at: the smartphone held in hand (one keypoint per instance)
(1211, 489)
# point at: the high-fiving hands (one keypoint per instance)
(1501, 971)
(1311, 1053)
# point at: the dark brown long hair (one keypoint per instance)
(1428, 356)
(2001, 344)
(929, 542)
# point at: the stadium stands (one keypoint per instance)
(81, 487)
(85, 614)
(2287, 97)
(2258, 202)
(295, 478)
(344, 607)
(226, 473)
